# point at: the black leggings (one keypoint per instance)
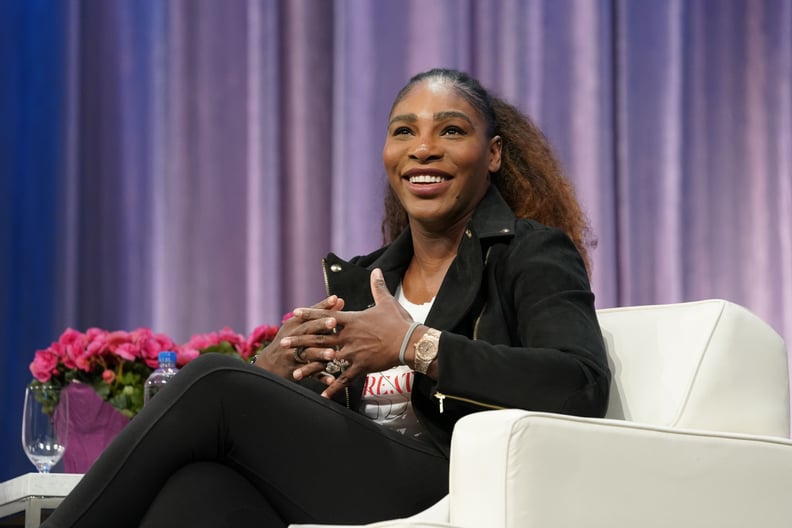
(228, 444)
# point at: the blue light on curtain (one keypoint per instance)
(32, 151)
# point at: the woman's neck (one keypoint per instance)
(432, 256)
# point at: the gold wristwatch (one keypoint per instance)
(426, 350)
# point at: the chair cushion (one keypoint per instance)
(703, 365)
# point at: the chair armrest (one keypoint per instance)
(515, 468)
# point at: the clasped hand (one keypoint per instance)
(365, 341)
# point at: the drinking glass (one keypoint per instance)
(45, 422)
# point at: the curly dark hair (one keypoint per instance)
(530, 177)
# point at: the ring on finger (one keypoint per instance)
(298, 355)
(336, 365)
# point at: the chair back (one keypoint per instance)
(709, 365)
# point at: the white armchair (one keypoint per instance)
(696, 435)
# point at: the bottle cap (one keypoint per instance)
(167, 356)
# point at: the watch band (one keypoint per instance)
(426, 350)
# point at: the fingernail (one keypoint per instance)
(285, 342)
(298, 312)
(329, 354)
(297, 374)
(324, 394)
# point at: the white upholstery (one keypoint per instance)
(706, 365)
(515, 469)
(696, 435)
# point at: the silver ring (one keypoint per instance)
(336, 365)
(298, 354)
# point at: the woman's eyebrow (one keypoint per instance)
(451, 114)
(410, 118)
(438, 116)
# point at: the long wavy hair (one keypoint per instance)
(530, 177)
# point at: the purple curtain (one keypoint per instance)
(213, 152)
(219, 150)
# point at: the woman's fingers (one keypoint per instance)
(332, 302)
(341, 382)
(312, 368)
(311, 332)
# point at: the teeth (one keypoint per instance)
(425, 178)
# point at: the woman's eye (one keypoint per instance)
(399, 131)
(453, 131)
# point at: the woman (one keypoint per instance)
(467, 309)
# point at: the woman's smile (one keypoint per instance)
(427, 183)
(437, 155)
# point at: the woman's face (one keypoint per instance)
(437, 155)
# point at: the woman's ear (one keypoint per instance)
(495, 148)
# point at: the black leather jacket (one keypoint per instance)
(518, 320)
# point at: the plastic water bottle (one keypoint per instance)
(161, 376)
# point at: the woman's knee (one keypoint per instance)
(214, 360)
(206, 494)
(211, 362)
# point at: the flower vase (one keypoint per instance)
(93, 424)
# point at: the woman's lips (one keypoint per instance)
(427, 183)
(426, 176)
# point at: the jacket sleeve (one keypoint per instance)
(537, 344)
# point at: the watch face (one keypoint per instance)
(426, 350)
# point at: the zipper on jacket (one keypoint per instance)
(327, 291)
(441, 398)
(324, 274)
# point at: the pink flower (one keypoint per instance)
(231, 337)
(43, 365)
(95, 345)
(68, 353)
(262, 335)
(115, 339)
(92, 333)
(287, 316)
(70, 345)
(128, 351)
(71, 337)
(199, 341)
(108, 375)
(165, 342)
(184, 355)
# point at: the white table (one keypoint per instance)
(29, 494)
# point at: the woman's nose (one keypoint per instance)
(425, 150)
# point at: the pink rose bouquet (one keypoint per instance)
(116, 364)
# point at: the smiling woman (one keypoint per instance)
(472, 305)
(529, 176)
(438, 156)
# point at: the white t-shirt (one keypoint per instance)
(386, 395)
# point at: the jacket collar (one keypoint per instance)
(493, 216)
(493, 220)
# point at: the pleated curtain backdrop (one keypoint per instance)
(186, 164)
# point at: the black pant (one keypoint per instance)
(229, 444)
